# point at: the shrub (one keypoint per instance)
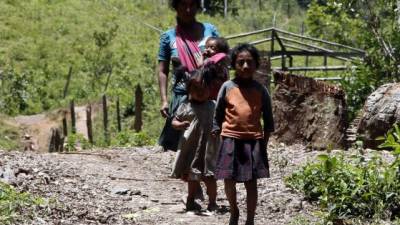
(355, 187)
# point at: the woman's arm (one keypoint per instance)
(163, 69)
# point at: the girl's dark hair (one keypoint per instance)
(196, 78)
(174, 3)
(222, 44)
(245, 47)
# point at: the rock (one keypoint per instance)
(381, 110)
(120, 191)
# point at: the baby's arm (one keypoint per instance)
(180, 125)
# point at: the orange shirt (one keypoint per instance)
(240, 107)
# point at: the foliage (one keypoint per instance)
(9, 136)
(75, 140)
(392, 139)
(111, 47)
(14, 204)
(369, 25)
(353, 188)
(128, 138)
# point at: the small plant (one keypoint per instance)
(350, 188)
(75, 140)
(128, 138)
(392, 140)
(14, 204)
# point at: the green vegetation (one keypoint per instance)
(110, 47)
(369, 25)
(9, 136)
(14, 205)
(355, 188)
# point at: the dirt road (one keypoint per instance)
(131, 186)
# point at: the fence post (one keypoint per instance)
(64, 123)
(105, 120)
(73, 121)
(118, 116)
(67, 83)
(138, 108)
(89, 123)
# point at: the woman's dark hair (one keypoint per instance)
(222, 44)
(174, 3)
(245, 47)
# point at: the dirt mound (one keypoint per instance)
(309, 112)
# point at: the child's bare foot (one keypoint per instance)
(192, 205)
(212, 207)
(234, 219)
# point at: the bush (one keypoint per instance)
(353, 188)
(128, 138)
(14, 204)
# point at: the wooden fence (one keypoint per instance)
(58, 135)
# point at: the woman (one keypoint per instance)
(183, 46)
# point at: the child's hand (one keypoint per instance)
(215, 133)
(180, 125)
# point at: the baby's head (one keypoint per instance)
(197, 86)
(245, 60)
(215, 45)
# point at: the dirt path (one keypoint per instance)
(39, 126)
(131, 186)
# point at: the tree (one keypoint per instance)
(368, 24)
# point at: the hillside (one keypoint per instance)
(42, 41)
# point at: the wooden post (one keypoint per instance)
(105, 120)
(65, 126)
(225, 8)
(118, 116)
(51, 142)
(67, 83)
(138, 108)
(89, 123)
(73, 121)
(272, 42)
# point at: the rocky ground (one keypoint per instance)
(131, 186)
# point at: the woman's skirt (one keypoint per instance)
(169, 137)
(242, 160)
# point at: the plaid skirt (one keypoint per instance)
(242, 160)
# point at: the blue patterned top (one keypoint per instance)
(168, 48)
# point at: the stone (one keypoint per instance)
(380, 112)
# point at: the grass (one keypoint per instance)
(9, 136)
(16, 206)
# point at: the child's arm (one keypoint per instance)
(180, 125)
(267, 115)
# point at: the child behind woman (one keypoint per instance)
(241, 103)
(195, 160)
